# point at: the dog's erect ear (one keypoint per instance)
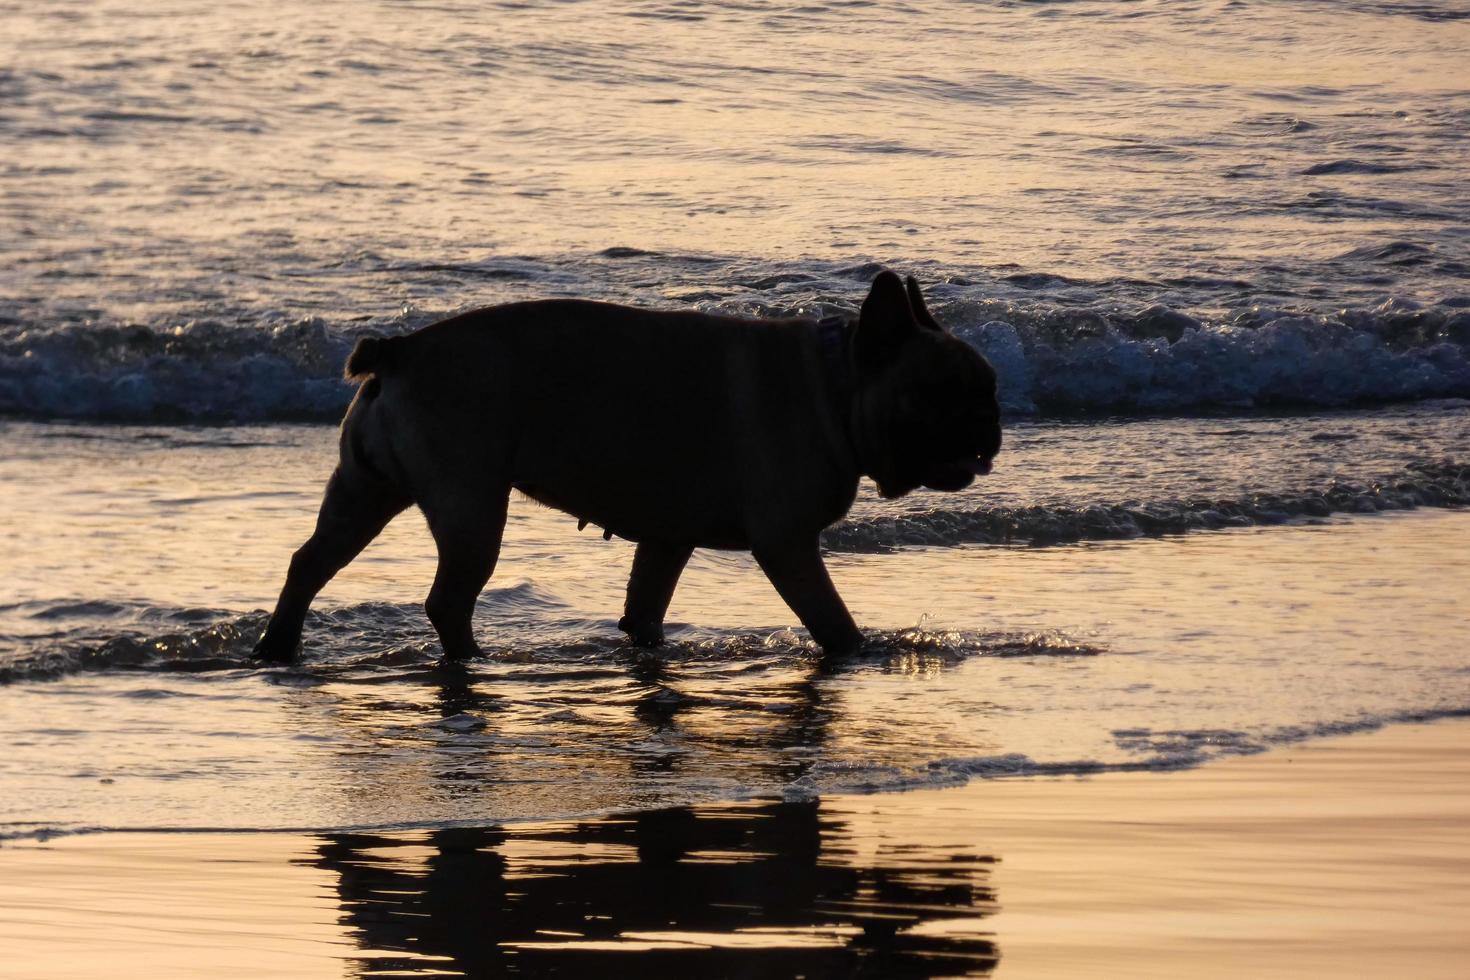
(885, 323)
(921, 311)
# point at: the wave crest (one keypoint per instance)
(1056, 360)
(1051, 358)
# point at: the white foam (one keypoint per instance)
(1048, 357)
(1287, 360)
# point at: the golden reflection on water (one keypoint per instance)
(1170, 653)
(995, 133)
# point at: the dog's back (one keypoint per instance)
(643, 422)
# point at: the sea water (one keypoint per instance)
(1217, 252)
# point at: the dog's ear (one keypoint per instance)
(921, 310)
(885, 324)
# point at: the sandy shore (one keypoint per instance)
(1344, 857)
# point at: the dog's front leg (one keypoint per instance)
(797, 572)
(656, 569)
(467, 529)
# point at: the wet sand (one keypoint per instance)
(1348, 856)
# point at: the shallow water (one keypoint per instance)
(100, 523)
(136, 555)
(1216, 251)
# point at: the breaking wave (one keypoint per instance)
(1159, 359)
(1051, 357)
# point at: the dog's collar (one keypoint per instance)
(834, 337)
(834, 333)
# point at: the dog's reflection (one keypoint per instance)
(756, 889)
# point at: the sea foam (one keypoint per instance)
(1050, 359)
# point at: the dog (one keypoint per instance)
(674, 430)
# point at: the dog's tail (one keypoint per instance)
(370, 357)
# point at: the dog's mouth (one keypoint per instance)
(957, 475)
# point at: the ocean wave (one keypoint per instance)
(1051, 358)
(200, 370)
(1445, 484)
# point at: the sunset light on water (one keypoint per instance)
(1172, 690)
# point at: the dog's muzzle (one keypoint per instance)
(956, 475)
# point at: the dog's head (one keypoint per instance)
(927, 413)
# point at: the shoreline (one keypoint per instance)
(1349, 854)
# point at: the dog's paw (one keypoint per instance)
(843, 642)
(458, 654)
(642, 634)
(270, 650)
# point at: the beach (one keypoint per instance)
(1177, 687)
(1347, 856)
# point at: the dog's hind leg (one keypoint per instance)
(354, 510)
(656, 569)
(467, 528)
(797, 572)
